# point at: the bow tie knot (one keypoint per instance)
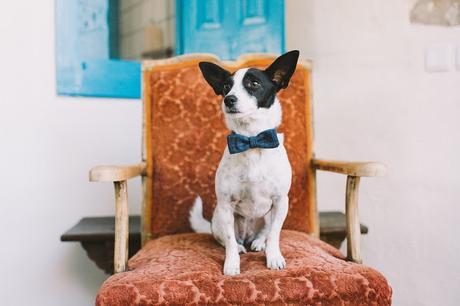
(253, 142)
(265, 140)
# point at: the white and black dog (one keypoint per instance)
(254, 175)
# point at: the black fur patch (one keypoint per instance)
(258, 84)
(228, 84)
(214, 75)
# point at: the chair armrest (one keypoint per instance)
(119, 176)
(354, 171)
(116, 173)
(350, 168)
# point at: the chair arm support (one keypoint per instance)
(352, 217)
(116, 173)
(120, 254)
(350, 168)
(119, 176)
(354, 172)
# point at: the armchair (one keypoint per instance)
(183, 138)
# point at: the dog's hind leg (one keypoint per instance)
(241, 249)
(258, 244)
(275, 259)
(223, 228)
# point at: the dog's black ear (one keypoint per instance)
(214, 75)
(282, 69)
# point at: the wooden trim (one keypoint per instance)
(351, 168)
(120, 257)
(314, 213)
(353, 226)
(146, 217)
(311, 184)
(242, 61)
(148, 65)
(147, 157)
(116, 173)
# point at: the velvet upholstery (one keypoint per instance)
(187, 137)
(187, 269)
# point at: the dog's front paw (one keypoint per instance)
(276, 262)
(232, 267)
(258, 244)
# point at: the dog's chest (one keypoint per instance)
(251, 180)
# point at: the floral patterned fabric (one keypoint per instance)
(187, 137)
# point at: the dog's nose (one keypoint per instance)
(230, 100)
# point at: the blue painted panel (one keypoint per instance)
(100, 78)
(209, 14)
(264, 21)
(230, 28)
(200, 22)
(85, 43)
(254, 12)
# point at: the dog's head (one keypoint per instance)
(250, 92)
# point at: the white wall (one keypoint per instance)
(373, 100)
(48, 143)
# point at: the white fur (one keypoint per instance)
(246, 103)
(197, 222)
(251, 187)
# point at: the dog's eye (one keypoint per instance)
(227, 88)
(254, 84)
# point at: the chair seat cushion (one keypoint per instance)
(187, 268)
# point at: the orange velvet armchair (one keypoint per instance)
(183, 139)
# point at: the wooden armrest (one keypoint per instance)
(354, 171)
(119, 176)
(116, 173)
(350, 168)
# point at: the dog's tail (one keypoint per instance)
(198, 223)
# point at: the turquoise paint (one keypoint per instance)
(100, 78)
(86, 41)
(230, 28)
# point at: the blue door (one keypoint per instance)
(230, 28)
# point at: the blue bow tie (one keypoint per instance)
(265, 140)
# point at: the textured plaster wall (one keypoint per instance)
(436, 12)
(374, 101)
(47, 145)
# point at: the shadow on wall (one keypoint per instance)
(86, 275)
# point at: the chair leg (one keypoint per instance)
(120, 257)
(353, 226)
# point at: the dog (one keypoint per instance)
(254, 175)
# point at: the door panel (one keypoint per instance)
(230, 28)
(209, 15)
(262, 22)
(253, 12)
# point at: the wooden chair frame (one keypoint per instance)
(120, 174)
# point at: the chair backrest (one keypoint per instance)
(184, 138)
